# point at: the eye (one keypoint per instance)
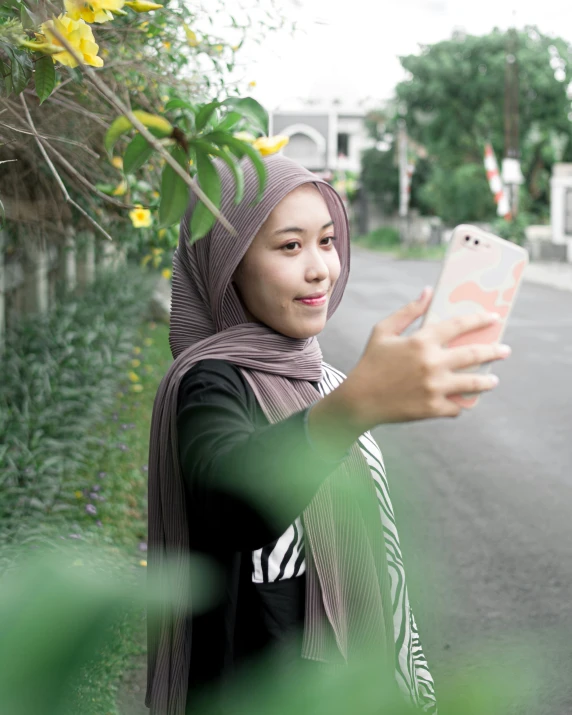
(329, 240)
(291, 246)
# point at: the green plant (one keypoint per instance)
(382, 238)
(59, 380)
(513, 230)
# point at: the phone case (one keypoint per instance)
(480, 272)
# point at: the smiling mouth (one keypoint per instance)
(315, 300)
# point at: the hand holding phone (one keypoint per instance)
(481, 272)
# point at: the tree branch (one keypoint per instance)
(151, 140)
(56, 175)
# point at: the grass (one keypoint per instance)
(114, 483)
(387, 240)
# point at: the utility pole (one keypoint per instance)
(403, 182)
(511, 173)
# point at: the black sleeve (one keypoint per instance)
(251, 479)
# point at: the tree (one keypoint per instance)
(454, 103)
(60, 58)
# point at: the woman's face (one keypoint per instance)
(286, 277)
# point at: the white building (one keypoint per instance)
(323, 138)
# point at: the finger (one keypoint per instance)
(470, 383)
(474, 355)
(399, 321)
(448, 330)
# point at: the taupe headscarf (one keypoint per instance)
(348, 599)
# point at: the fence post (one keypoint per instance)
(69, 261)
(86, 266)
(36, 288)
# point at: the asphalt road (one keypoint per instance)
(484, 501)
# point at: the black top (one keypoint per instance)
(246, 482)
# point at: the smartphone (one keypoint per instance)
(480, 272)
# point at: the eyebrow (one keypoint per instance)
(295, 229)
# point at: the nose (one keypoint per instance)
(317, 269)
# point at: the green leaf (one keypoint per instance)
(136, 154)
(230, 162)
(27, 19)
(252, 110)
(179, 104)
(18, 74)
(240, 148)
(44, 77)
(230, 121)
(203, 220)
(204, 114)
(174, 191)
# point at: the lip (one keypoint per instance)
(316, 299)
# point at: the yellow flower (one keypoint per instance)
(142, 562)
(235, 48)
(245, 137)
(156, 195)
(162, 233)
(117, 162)
(157, 251)
(137, 350)
(134, 377)
(191, 36)
(271, 145)
(252, 84)
(167, 45)
(140, 217)
(135, 363)
(145, 260)
(166, 273)
(93, 10)
(148, 369)
(219, 48)
(143, 5)
(78, 35)
(78, 494)
(120, 189)
(148, 342)
(143, 26)
(137, 388)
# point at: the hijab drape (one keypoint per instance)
(348, 602)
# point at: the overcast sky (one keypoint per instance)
(349, 49)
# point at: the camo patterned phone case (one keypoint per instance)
(480, 272)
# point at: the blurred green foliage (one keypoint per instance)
(453, 103)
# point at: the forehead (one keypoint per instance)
(305, 204)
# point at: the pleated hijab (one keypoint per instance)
(348, 600)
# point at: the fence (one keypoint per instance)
(40, 262)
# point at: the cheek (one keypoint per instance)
(334, 266)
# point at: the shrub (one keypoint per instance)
(59, 378)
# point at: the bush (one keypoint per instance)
(59, 378)
(512, 230)
(384, 237)
(459, 195)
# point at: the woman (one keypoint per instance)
(261, 456)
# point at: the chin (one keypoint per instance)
(303, 332)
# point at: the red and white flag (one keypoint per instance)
(495, 182)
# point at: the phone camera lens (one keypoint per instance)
(476, 242)
(467, 238)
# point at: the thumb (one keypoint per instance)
(399, 321)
